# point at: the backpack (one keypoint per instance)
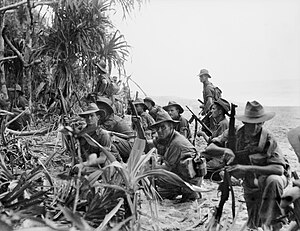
(217, 93)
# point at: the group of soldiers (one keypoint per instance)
(263, 171)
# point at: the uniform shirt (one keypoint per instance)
(208, 91)
(218, 128)
(183, 126)
(146, 120)
(153, 112)
(269, 154)
(98, 134)
(117, 124)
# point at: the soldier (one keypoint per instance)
(92, 156)
(219, 110)
(103, 79)
(210, 92)
(259, 162)
(177, 153)
(152, 108)
(111, 122)
(175, 111)
(146, 118)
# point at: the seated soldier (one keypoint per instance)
(146, 118)
(259, 162)
(152, 108)
(219, 124)
(103, 78)
(175, 150)
(218, 109)
(92, 156)
(175, 111)
(111, 122)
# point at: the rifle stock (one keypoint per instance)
(200, 121)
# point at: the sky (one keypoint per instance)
(250, 48)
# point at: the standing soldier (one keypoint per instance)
(210, 92)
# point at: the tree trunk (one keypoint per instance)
(3, 88)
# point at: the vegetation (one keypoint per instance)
(54, 46)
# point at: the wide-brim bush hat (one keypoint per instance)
(91, 108)
(106, 102)
(255, 113)
(148, 99)
(204, 72)
(161, 117)
(140, 101)
(224, 104)
(17, 88)
(173, 104)
(102, 66)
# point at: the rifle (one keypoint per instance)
(200, 101)
(200, 121)
(225, 186)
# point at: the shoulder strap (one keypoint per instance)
(262, 140)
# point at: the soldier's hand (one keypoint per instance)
(228, 156)
(135, 119)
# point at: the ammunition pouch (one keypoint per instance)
(186, 168)
(199, 164)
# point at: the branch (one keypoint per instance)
(16, 5)
(20, 56)
(12, 6)
(8, 58)
(129, 78)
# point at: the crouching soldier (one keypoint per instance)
(177, 157)
(92, 156)
(111, 122)
(259, 162)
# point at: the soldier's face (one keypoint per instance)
(215, 111)
(163, 130)
(91, 119)
(202, 78)
(148, 104)
(139, 108)
(252, 129)
(173, 112)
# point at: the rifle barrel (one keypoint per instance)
(200, 121)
